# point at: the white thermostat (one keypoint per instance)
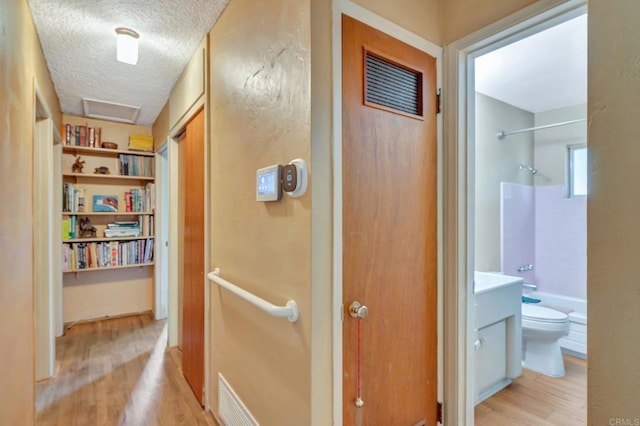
(294, 178)
(268, 183)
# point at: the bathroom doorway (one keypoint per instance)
(520, 196)
(530, 224)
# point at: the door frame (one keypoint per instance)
(346, 7)
(459, 185)
(173, 268)
(161, 272)
(46, 236)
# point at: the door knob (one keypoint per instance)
(357, 310)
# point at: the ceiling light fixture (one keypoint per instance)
(127, 50)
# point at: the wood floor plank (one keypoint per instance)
(536, 399)
(118, 372)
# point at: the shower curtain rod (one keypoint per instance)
(502, 134)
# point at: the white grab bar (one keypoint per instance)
(290, 311)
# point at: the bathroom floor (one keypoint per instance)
(536, 399)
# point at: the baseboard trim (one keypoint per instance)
(70, 324)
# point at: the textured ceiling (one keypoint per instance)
(79, 42)
(545, 71)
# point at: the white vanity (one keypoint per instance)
(498, 323)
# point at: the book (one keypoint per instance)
(141, 142)
(73, 220)
(114, 233)
(83, 135)
(123, 224)
(148, 251)
(92, 137)
(79, 200)
(65, 227)
(68, 134)
(127, 200)
(114, 253)
(105, 203)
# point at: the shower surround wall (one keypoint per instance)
(561, 242)
(540, 226)
(518, 228)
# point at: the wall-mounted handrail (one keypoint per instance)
(290, 311)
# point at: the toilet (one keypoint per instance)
(541, 329)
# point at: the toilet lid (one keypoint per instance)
(541, 313)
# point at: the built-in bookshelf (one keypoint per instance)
(108, 200)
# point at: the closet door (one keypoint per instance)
(193, 258)
(389, 204)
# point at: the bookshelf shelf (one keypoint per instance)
(107, 177)
(104, 151)
(108, 268)
(101, 239)
(107, 213)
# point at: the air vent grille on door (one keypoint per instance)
(392, 86)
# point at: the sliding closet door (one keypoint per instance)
(193, 258)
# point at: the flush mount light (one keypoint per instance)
(127, 50)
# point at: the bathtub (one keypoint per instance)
(575, 343)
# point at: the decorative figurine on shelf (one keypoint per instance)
(87, 230)
(102, 170)
(78, 165)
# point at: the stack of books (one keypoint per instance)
(92, 255)
(135, 165)
(141, 199)
(72, 198)
(82, 135)
(141, 142)
(69, 225)
(122, 229)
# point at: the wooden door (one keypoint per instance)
(193, 257)
(389, 229)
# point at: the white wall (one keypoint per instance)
(497, 161)
(550, 152)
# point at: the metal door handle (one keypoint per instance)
(357, 310)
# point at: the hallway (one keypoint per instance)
(117, 371)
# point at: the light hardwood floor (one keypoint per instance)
(536, 399)
(118, 372)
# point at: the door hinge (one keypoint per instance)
(439, 101)
(439, 413)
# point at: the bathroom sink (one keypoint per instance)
(486, 281)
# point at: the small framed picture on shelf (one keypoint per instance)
(105, 203)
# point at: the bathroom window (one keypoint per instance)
(577, 170)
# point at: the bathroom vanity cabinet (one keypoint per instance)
(498, 320)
